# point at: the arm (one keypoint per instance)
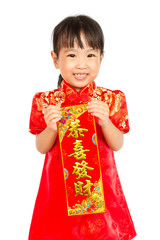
(46, 139)
(112, 135)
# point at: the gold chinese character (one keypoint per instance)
(78, 150)
(78, 188)
(75, 131)
(87, 188)
(80, 170)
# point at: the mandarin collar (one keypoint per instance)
(82, 96)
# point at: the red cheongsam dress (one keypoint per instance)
(50, 220)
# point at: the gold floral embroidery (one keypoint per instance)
(69, 91)
(97, 94)
(58, 97)
(117, 103)
(44, 97)
(113, 100)
(108, 98)
(40, 104)
(122, 122)
(98, 91)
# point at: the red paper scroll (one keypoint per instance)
(81, 163)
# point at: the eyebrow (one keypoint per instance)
(69, 49)
(75, 50)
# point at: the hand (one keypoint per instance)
(52, 115)
(100, 110)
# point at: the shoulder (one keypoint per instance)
(114, 98)
(45, 95)
(109, 95)
(43, 99)
(118, 112)
(109, 91)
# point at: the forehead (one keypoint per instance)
(76, 45)
(81, 41)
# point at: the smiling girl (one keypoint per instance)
(78, 50)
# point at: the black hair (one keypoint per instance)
(70, 29)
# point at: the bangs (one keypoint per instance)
(66, 34)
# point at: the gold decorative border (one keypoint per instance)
(97, 196)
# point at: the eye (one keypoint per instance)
(71, 55)
(91, 55)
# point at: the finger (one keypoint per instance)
(55, 120)
(49, 114)
(51, 110)
(99, 109)
(99, 116)
(95, 101)
(53, 116)
(97, 104)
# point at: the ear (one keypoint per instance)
(102, 56)
(55, 59)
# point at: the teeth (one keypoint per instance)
(80, 75)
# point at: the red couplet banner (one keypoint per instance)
(81, 163)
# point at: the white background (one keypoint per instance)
(131, 64)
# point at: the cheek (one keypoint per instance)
(66, 65)
(95, 68)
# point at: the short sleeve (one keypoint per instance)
(37, 123)
(118, 109)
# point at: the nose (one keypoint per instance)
(81, 63)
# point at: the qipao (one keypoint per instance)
(50, 220)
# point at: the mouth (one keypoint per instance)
(80, 76)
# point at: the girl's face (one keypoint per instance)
(78, 67)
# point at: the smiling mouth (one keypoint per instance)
(80, 75)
